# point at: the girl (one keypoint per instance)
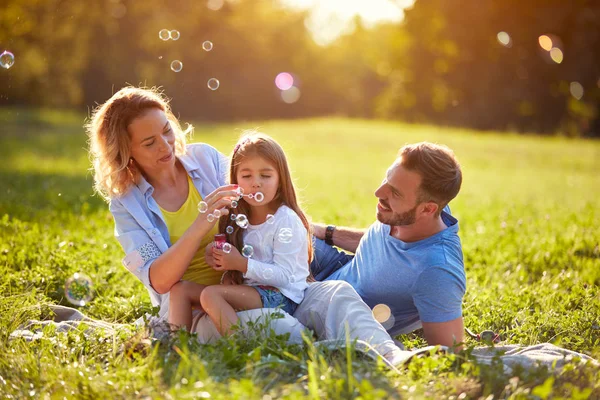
(271, 232)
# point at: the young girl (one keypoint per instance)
(271, 247)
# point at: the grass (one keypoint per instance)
(529, 224)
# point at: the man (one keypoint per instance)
(410, 260)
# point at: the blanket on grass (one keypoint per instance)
(544, 354)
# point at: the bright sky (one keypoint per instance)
(331, 18)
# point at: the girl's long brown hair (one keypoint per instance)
(251, 144)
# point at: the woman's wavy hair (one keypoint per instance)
(251, 144)
(110, 142)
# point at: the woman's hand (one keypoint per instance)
(220, 199)
(232, 261)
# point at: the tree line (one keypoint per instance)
(524, 66)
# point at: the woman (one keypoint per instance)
(144, 168)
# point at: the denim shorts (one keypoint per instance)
(272, 298)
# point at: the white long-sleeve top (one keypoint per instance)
(280, 256)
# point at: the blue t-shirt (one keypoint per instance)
(423, 280)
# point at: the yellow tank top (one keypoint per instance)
(177, 223)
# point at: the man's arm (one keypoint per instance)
(343, 237)
(449, 333)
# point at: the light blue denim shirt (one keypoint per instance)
(139, 225)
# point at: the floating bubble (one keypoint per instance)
(284, 81)
(270, 219)
(267, 273)
(285, 235)
(504, 39)
(164, 34)
(174, 34)
(233, 217)
(383, 314)
(217, 213)
(258, 196)
(291, 95)
(79, 289)
(242, 221)
(250, 196)
(247, 251)
(227, 246)
(210, 217)
(234, 204)
(576, 90)
(176, 66)
(240, 191)
(7, 59)
(213, 84)
(207, 45)
(202, 207)
(229, 229)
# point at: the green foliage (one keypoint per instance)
(528, 222)
(443, 64)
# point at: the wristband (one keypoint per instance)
(329, 234)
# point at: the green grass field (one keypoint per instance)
(529, 223)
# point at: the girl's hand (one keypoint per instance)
(232, 261)
(208, 255)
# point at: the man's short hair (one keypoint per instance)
(439, 169)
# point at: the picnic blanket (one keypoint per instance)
(544, 354)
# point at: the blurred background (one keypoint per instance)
(503, 65)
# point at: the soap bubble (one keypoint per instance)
(217, 213)
(258, 196)
(207, 45)
(267, 273)
(250, 196)
(383, 314)
(240, 191)
(285, 235)
(79, 289)
(270, 219)
(210, 217)
(242, 221)
(174, 34)
(233, 217)
(229, 229)
(7, 59)
(202, 207)
(176, 66)
(213, 84)
(234, 204)
(164, 34)
(247, 251)
(227, 246)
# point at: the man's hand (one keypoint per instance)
(232, 261)
(450, 334)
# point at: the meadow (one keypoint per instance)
(529, 224)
